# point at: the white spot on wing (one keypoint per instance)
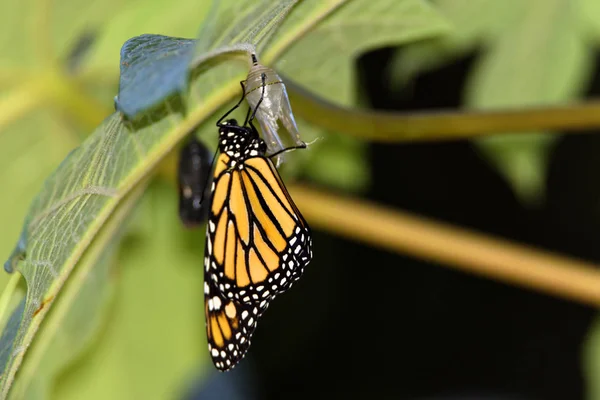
(216, 302)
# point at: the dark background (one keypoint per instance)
(365, 323)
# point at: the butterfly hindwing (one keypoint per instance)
(229, 326)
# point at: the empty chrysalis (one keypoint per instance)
(274, 115)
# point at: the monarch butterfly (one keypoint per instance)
(257, 242)
(193, 175)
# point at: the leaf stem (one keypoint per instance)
(452, 246)
(283, 43)
(388, 126)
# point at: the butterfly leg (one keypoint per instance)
(302, 146)
(263, 77)
(234, 107)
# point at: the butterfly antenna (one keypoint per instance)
(263, 77)
(246, 120)
(234, 107)
(212, 164)
(302, 146)
(262, 96)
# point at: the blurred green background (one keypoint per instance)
(141, 336)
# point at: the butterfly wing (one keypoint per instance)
(258, 243)
(229, 326)
(279, 213)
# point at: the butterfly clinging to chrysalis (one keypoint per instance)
(257, 242)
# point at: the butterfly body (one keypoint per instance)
(257, 242)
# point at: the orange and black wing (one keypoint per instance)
(229, 326)
(258, 243)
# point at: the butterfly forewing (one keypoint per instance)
(257, 241)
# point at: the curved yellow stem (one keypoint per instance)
(388, 126)
(455, 247)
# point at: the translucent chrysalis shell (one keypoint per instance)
(274, 112)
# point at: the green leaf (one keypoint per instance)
(340, 161)
(76, 201)
(11, 311)
(152, 68)
(328, 70)
(72, 323)
(26, 159)
(508, 75)
(535, 53)
(34, 72)
(356, 27)
(115, 22)
(240, 26)
(26, 156)
(590, 13)
(78, 198)
(87, 189)
(153, 345)
(471, 22)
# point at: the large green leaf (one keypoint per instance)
(509, 76)
(63, 220)
(32, 72)
(75, 318)
(355, 28)
(323, 61)
(85, 192)
(153, 343)
(76, 201)
(534, 53)
(590, 13)
(32, 77)
(154, 67)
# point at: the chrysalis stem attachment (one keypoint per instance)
(275, 116)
